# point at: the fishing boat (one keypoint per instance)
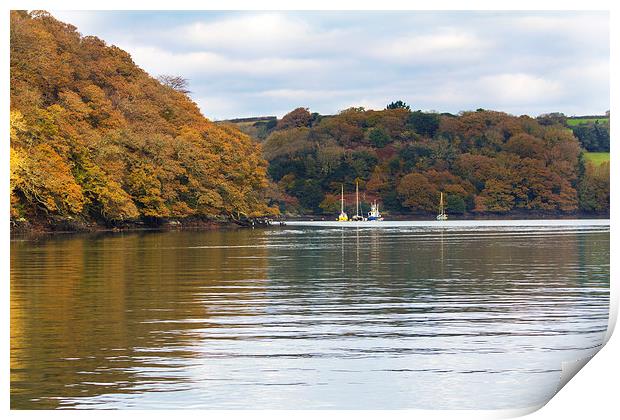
(374, 214)
(343, 216)
(442, 211)
(358, 217)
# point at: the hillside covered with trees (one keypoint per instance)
(593, 132)
(486, 162)
(95, 138)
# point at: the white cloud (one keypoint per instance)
(258, 63)
(594, 72)
(448, 45)
(157, 61)
(217, 107)
(303, 94)
(585, 28)
(365, 102)
(518, 88)
(253, 34)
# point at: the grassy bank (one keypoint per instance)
(574, 122)
(597, 158)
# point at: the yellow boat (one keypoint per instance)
(343, 216)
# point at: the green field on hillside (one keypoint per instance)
(257, 127)
(573, 122)
(597, 158)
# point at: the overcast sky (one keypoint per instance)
(243, 64)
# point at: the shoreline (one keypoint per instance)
(464, 217)
(71, 227)
(535, 224)
(63, 227)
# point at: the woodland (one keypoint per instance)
(95, 139)
(485, 162)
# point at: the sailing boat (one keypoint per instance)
(343, 216)
(357, 216)
(442, 213)
(373, 214)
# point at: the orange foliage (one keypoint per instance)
(95, 136)
(485, 161)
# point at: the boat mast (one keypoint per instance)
(341, 198)
(357, 199)
(441, 203)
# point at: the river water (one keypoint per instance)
(457, 315)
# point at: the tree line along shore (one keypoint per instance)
(486, 162)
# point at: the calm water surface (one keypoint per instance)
(402, 316)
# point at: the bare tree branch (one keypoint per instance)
(178, 83)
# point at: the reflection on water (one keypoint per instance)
(305, 317)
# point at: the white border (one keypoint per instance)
(590, 394)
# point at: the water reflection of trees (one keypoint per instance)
(433, 264)
(90, 313)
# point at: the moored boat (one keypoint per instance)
(374, 215)
(357, 217)
(442, 212)
(342, 217)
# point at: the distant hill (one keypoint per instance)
(256, 127)
(96, 138)
(251, 120)
(486, 162)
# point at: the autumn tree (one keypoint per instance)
(496, 197)
(552, 118)
(418, 193)
(299, 117)
(178, 83)
(594, 188)
(46, 181)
